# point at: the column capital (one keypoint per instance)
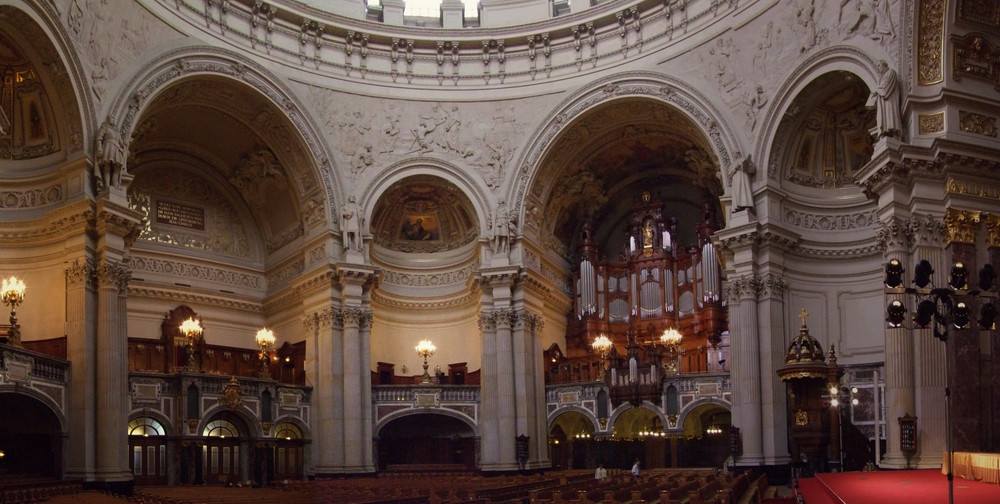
(926, 230)
(893, 234)
(113, 274)
(738, 289)
(992, 230)
(961, 225)
(771, 285)
(352, 316)
(80, 273)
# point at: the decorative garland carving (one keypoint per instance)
(30, 198)
(198, 272)
(830, 222)
(432, 280)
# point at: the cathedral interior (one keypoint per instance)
(285, 239)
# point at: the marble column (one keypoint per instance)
(746, 368)
(324, 328)
(488, 444)
(81, 300)
(774, 421)
(112, 374)
(893, 238)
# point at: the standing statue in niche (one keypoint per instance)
(110, 154)
(885, 100)
(351, 224)
(740, 178)
(502, 229)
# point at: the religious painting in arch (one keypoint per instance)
(420, 227)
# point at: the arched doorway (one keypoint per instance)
(639, 435)
(30, 438)
(288, 445)
(571, 442)
(148, 445)
(706, 431)
(426, 441)
(222, 454)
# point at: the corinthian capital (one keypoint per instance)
(771, 285)
(893, 234)
(961, 225)
(926, 230)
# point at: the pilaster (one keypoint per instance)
(81, 301)
(741, 294)
(771, 311)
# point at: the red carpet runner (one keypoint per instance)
(926, 486)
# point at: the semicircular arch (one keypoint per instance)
(190, 62)
(383, 422)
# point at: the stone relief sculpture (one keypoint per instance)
(755, 101)
(885, 100)
(805, 15)
(867, 17)
(740, 178)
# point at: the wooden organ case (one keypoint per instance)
(656, 284)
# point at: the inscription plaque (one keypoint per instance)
(176, 214)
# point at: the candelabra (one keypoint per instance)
(425, 349)
(265, 340)
(13, 295)
(602, 344)
(191, 329)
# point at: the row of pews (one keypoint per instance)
(659, 487)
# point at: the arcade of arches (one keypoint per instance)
(627, 229)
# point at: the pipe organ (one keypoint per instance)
(656, 284)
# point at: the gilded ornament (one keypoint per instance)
(930, 42)
(801, 418)
(931, 123)
(974, 56)
(961, 225)
(984, 12)
(977, 123)
(992, 230)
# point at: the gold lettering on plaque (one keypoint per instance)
(176, 214)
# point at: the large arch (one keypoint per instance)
(680, 96)
(183, 63)
(31, 436)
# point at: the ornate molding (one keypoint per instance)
(930, 42)
(472, 295)
(354, 316)
(31, 198)
(830, 222)
(190, 298)
(771, 285)
(439, 279)
(738, 289)
(961, 225)
(197, 272)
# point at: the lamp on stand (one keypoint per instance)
(265, 341)
(191, 329)
(425, 349)
(13, 295)
(602, 344)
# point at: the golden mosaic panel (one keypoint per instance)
(974, 56)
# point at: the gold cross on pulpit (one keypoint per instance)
(803, 316)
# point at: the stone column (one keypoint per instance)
(771, 315)
(746, 368)
(991, 341)
(892, 237)
(963, 345)
(81, 300)
(498, 424)
(926, 369)
(357, 406)
(325, 332)
(112, 373)
(530, 371)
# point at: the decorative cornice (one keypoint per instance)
(470, 296)
(192, 298)
(70, 220)
(196, 271)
